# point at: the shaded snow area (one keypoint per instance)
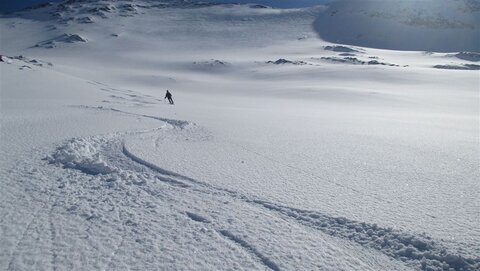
(298, 140)
(429, 25)
(469, 56)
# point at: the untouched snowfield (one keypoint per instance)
(283, 152)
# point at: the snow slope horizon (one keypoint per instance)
(301, 148)
(448, 26)
(12, 7)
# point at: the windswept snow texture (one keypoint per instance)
(402, 246)
(428, 25)
(283, 151)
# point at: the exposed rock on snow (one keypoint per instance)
(102, 8)
(5, 59)
(258, 6)
(347, 54)
(180, 4)
(282, 61)
(356, 61)
(469, 56)
(471, 67)
(65, 38)
(25, 67)
(128, 7)
(211, 64)
(341, 48)
(26, 60)
(85, 20)
(127, 10)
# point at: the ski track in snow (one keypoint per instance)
(109, 155)
(265, 260)
(31, 229)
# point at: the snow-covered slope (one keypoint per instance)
(427, 25)
(283, 151)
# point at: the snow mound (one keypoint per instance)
(469, 56)
(85, 20)
(82, 154)
(469, 67)
(429, 25)
(64, 38)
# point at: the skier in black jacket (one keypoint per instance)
(168, 96)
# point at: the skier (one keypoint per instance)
(168, 96)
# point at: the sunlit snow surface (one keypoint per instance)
(283, 151)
